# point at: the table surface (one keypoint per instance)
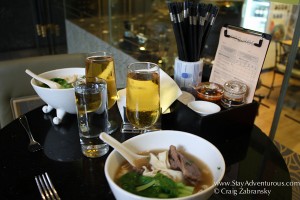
(78, 177)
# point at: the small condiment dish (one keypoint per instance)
(204, 107)
(209, 91)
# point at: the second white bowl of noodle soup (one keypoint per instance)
(193, 145)
(62, 99)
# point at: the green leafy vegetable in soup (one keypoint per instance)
(159, 186)
(64, 84)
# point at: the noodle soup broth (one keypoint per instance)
(206, 174)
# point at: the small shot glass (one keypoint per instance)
(234, 94)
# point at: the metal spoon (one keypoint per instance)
(134, 159)
(51, 84)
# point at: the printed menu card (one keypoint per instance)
(240, 56)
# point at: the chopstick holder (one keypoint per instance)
(188, 74)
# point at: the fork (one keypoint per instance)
(33, 145)
(46, 188)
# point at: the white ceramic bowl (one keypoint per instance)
(192, 144)
(204, 107)
(63, 100)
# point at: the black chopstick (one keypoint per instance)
(175, 29)
(212, 14)
(191, 25)
(202, 8)
(177, 22)
(179, 13)
(193, 36)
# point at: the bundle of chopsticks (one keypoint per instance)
(191, 24)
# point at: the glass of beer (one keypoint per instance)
(101, 64)
(143, 95)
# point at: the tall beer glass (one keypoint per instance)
(101, 64)
(142, 95)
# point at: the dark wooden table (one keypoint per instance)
(250, 159)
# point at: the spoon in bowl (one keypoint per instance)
(51, 84)
(134, 159)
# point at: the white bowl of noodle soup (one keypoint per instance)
(195, 146)
(63, 99)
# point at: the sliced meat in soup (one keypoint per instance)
(179, 162)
